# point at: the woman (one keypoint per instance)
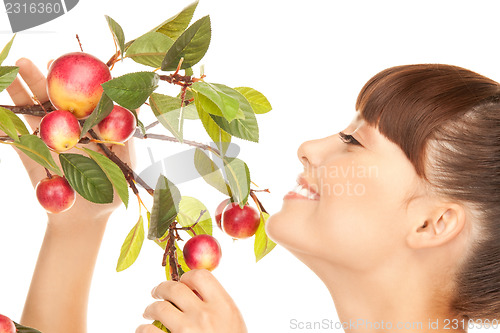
(400, 217)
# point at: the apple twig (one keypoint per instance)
(170, 253)
(139, 135)
(130, 175)
(33, 110)
(257, 201)
(6, 139)
(172, 256)
(113, 58)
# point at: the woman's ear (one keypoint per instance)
(442, 226)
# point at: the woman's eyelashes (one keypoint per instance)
(349, 139)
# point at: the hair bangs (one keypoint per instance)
(408, 103)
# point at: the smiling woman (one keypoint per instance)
(421, 240)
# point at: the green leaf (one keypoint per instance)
(101, 111)
(36, 149)
(150, 49)
(16, 121)
(7, 76)
(139, 123)
(189, 211)
(131, 246)
(224, 100)
(191, 45)
(113, 172)
(131, 90)
(263, 244)
(165, 207)
(160, 326)
(6, 50)
(7, 125)
(167, 111)
(175, 26)
(257, 100)
(238, 177)
(210, 172)
(118, 34)
(190, 112)
(25, 329)
(87, 178)
(247, 128)
(220, 137)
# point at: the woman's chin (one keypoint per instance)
(282, 228)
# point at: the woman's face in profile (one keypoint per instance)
(361, 216)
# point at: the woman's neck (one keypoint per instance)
(388, 299)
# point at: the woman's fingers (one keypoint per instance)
(34, 79)
(177, 293)
(18, 94)
(166, 313)
(205, 284)
(36, 83)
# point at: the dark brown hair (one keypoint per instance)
(446, 119)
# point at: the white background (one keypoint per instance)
(310, 58)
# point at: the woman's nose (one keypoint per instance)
(310, 153)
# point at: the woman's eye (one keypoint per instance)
(348, 139)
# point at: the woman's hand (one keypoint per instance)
(213, 311)
(58, 297)
(36, 82)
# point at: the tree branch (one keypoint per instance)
(257, 201)
(174, 272)
(162, 137)
(33, 110)
(130, 175)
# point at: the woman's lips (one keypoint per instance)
(293, 195)
(301, 180)
(302, 192)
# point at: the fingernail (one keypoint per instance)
(153, 292)
(146, 316)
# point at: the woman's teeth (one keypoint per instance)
(299, 189)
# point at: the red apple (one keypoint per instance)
(60, 130)
(6, 325)
(118, 126)
(202, 251)
(74, 82)
(219, 210)
(55, 194)
(238, 222)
